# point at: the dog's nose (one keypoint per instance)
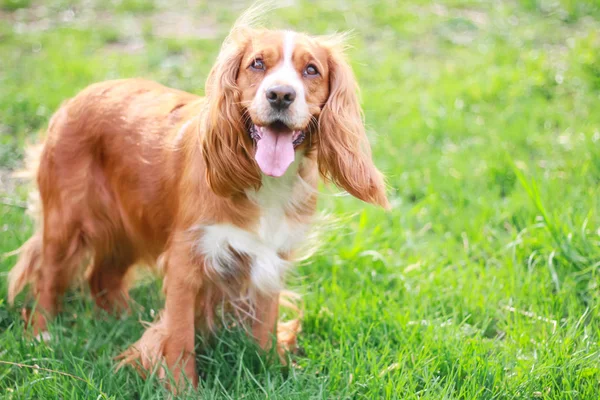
(281, 96)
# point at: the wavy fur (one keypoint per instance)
(344, 152)
(134, 172)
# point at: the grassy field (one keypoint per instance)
(483, 282)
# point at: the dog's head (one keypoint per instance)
(273, 96)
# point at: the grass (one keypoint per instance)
(483, 282)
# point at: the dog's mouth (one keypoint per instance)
(275, 147)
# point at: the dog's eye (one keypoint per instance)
(311, 70)
(258, 65)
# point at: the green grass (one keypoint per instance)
(11, 5)
(483, 282)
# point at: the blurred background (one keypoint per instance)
(485, 116)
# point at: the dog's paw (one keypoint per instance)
(287, 337)
(148, 353)
(156, 353)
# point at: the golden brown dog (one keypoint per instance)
(220, 190)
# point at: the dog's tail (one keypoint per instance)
(29, 174)
(30, 254)
(26, 268)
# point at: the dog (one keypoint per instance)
(220, 190)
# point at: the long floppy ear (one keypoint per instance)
(226, 146)
(344, 153)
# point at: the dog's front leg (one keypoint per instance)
(179, 316)
(267, 326)
(265, 323)
(170, 340)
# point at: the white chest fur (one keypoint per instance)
(273, 236)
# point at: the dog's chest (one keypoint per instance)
(266, 245)
(275, 228)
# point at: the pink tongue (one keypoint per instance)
(275, 151)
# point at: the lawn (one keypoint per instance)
(483, 282)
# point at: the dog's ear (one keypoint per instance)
(226, 146)
(344, 153)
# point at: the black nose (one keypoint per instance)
(281, 96)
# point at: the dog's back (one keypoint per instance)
(104, 180)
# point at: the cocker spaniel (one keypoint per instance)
(220, 190)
